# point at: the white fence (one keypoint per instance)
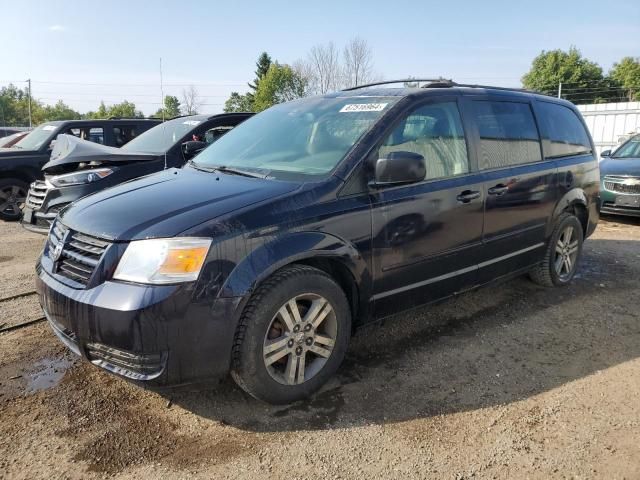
(611, 123)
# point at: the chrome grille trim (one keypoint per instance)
(80, 255)
(37, 192)
(623, 185)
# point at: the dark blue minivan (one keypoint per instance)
(262, 254)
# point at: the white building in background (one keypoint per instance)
(611, 123)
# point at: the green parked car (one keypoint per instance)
(620, 179)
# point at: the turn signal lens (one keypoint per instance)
(186, 260)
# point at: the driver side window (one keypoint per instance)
(435, 132)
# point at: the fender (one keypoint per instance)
(572, 197)
(282, 251)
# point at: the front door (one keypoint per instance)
(426, 236)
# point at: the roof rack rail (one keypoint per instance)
(509, 89)
(131, 118)
(440, 80)
(441, 83)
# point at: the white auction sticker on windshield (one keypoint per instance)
(48, 128)
(191, 122)
(363, 107)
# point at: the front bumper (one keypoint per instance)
(160, 335)
(609, 203)
(36, 221)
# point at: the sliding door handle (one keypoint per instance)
(499, 189)
(467, 196)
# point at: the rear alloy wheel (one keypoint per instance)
(292, 335)
(566, 255)
(563, 253)
(13, 194)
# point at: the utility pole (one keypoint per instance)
(29, 82)
(560, 90)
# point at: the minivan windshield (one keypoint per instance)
(162, 137)
(37, 137)
(294, 140)
(631, 149)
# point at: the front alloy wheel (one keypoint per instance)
(292, 335)
(13, 194)
(300, 339)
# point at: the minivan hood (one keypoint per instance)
(69, 149)
(167, 203)
(623, 166)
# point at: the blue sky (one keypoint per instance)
(91, 51)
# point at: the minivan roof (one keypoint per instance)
(437, 86)
(97, 120)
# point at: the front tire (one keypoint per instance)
(292, 335)
(562, 255)
(13, 194)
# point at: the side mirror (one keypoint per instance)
(192, 147)
(605, 153)
(398, 168)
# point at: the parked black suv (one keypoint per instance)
(78, 168)
(317, 215)
(20, 165)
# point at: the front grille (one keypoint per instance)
(630, 186)
(131, 365)
(37, 192)
(80, 253)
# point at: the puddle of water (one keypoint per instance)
(47, 373)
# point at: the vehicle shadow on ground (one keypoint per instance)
(496, 345)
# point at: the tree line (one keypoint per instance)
(556, 72)
(581, 80)
(326, 68)
(14, 108)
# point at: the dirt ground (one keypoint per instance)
(510, 381)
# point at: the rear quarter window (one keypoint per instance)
(563, 134)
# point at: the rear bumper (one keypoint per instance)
(159, 335)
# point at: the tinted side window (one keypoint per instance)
(435, 132)
(563, 133)
(92, 134)
(124, 133)
(508, 134)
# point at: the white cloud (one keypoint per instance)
(57, 28)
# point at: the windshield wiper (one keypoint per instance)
(197, 166)
(237, 171)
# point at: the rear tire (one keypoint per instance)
(562, 253)
(13, 194)
(292, 335)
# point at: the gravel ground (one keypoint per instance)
(510, 381)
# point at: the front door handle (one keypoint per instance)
(498, 190)
(467, 196)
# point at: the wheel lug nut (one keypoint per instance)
(307, 327)
(309, 340)
(298, 350)
(290, 343)
(296, 328)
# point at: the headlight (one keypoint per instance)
(79, 178)
(163, 260)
